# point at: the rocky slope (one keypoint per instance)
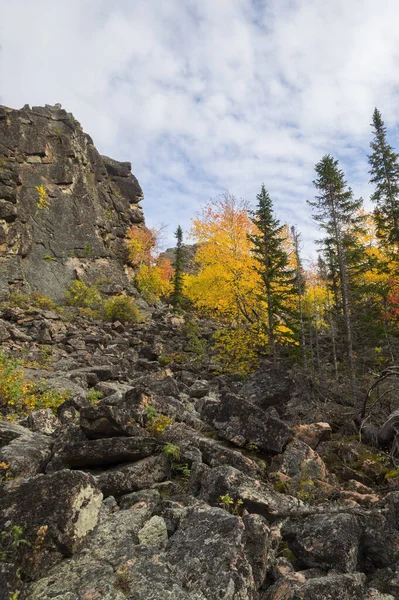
(178, 483)
(158, 478)
(64, 209)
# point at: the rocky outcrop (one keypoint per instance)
(64, 209)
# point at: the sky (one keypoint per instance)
(203, 96)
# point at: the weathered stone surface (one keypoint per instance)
(268, 386)
(55, 513)
(106, 420)
(84, 193)
(103, 452)
(10, 431)
(256, 496)
(214, 537)
(123, 479)
(342, 587)
(43, 421)
(26, 455)
(240, 422)
(325, 540)
(199, 389)
(154, 533)
(313, 434)
(214, 453)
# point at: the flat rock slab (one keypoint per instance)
(103, 452)
(134, 476)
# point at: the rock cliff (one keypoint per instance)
(64, 209)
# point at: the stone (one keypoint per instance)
(241, 422)
(103, 452)
(11, 431)
(342, 587)
(256, 496)
(43, 421)
(312, 434)
(268, 386)
(55, 512)
(26, 455)
(212, 536)
(130, 477)
(328, 541)
(154, 533)
(214, 453)
(199, 388)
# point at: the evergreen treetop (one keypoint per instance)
(384, 163)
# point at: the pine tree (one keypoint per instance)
(177, 296)
(384, 173)
(272, 259)
(338, 213)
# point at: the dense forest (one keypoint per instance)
(338, 318)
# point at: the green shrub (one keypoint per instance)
(121, 308)
(20, 396)
(81, 295)
(172, 451)
(32, 300)
(94, 396)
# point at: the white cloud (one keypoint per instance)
(204, 96)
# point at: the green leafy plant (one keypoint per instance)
(94, 396)
(229, 504)
(158, 424)
(183, 469)
(10, 540)
(150, 412)
(19, 395)
(121, 308)
(171, 451)
(88, 251)
(81, 295)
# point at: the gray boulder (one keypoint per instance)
(241, 422)
(329, 541)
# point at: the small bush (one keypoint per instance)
(81, 295)
(94, 396)
(41, 301)
(42, 202)
(229, 504)
(171, 451)
(121, 308)
(19, 395)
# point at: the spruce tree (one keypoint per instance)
(338, 213)
(384, 173)
(177, 296)
(278, 280)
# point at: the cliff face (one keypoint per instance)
(64, 209)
